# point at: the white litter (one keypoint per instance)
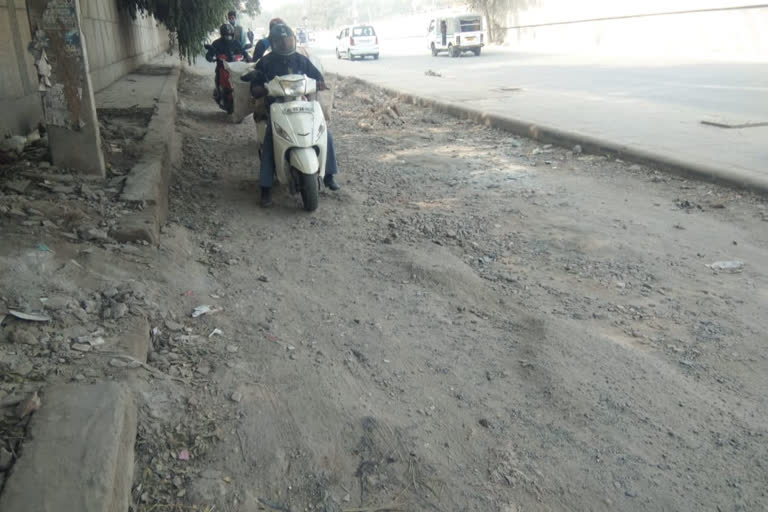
(733, 266)
(204, 310)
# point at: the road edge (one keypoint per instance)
(742, 180)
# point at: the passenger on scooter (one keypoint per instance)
(263, 45)
(283, 60)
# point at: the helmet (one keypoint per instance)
(281, 40)
(275, 21)
(227, 31)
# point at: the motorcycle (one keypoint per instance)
(299, 136)
(223, 93)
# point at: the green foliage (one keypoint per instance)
(192, 20)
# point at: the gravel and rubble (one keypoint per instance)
(474, 322)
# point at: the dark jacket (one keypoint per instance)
(261, 48)
(223, 47)
(273, 65)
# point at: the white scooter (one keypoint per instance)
(299, 135)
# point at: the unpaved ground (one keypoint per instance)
(474, 323)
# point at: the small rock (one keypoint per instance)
(484, 423)
(81, 347)
(264, 279)
(79, 377)
(173, 326)
(57, 303)
(687, 364)
(110, 293)
(119, 311)
(6, 458)
(23, 337)
(18, 186)
(232, 348)
(28, 406)
(93, 234)
(236, 396)
(577, 149)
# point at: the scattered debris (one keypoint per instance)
(205, 309)
(184, 454)
(216, 332)
(31, 317)
(732, 266)
(429, 72)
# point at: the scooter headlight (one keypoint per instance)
(279, 130)
(294, 87)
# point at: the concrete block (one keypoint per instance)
(141, 226)
(134, 340)
(144, 182)
(79, 456)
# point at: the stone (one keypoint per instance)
(93, 425)
(93, 234)
(57, 303)
(23, 337)
(18, 186)
(173, 326)
(232, 349)
(6, 458)
(236, 396)
(82, 347)
(119, 311)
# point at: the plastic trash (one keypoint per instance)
(732, 266)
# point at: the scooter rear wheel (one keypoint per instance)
(310, 191)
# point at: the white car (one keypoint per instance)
(357, 41)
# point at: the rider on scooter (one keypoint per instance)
(283, 60)
(263, 45)
(225, 45)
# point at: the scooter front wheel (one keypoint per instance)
(310, 191)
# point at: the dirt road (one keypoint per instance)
(473, 323)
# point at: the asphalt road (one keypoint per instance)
(649, 104)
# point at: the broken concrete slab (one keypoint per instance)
(79, 455)
(134, 340)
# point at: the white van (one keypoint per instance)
(456, 34)
(357, 41)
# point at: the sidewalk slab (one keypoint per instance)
(79, 455)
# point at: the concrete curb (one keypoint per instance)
(739, 179)
(149, 179)
(81, 452)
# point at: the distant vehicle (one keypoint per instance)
(456, 34)
(357, 41)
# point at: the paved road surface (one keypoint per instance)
(650, 105)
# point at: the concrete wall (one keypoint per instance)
(117, 44)
(19, 102)
(732, 35)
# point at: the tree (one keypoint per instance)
(191, 20)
